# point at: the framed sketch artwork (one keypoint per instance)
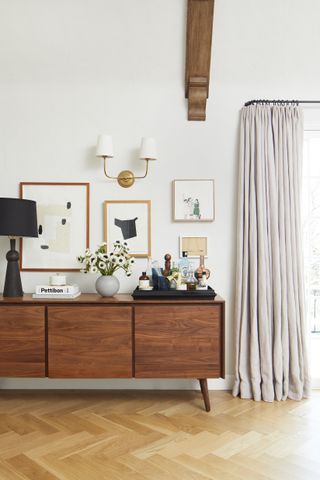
(193, 200)
(63, 226)
(129, 221)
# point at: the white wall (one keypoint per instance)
(71, 69)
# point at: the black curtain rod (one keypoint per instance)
(279, 102)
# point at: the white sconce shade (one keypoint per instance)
(148, 148)
(104, 146)
(126, 178)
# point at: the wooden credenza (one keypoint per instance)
(118, 337)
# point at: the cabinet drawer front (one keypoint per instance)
(90, 342)
(178, 341)
(22, 341)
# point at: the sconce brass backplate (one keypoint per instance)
(126, 178)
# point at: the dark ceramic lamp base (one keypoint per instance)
(13, 285)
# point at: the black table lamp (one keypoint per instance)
(18, 218)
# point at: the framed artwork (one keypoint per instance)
(195, 246)
(129, 221)
(193, 200)
(63, 226)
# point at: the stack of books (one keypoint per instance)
(63, 291)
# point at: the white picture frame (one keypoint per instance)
(128, 221)
(63, 226)
(193, 200)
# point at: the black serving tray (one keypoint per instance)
(174, 294)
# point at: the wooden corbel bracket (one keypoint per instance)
(199, 37)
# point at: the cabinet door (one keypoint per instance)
(178, 341)
(90, 342)
(22, 341)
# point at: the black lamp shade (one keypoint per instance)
(18, 218)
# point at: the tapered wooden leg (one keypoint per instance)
(205, 393)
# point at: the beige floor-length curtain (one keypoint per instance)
(271, 357)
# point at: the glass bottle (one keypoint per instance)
(149, 271)
(144, 282)
(191, 281)
(174, 267)
(201, 269)
(183, 265)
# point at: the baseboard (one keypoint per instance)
(118, 384)
(221, 383)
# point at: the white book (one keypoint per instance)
(56, 290)
(56, 295)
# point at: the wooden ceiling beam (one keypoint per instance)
(199, 38)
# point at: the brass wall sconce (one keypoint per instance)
(126, 178)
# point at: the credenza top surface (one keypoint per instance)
(94, 299)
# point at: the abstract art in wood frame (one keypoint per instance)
(128, 221)
(194, 245)
(63, 211)
(193, 200)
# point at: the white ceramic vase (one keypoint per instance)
(107, 285)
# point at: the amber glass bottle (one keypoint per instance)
(144, 282)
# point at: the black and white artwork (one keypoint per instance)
(62, 211)
(129, 221)
(128, 227)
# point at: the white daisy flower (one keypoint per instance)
(102, 265)
(121, 260)
(93, 269)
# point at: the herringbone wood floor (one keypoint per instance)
(161, 435)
